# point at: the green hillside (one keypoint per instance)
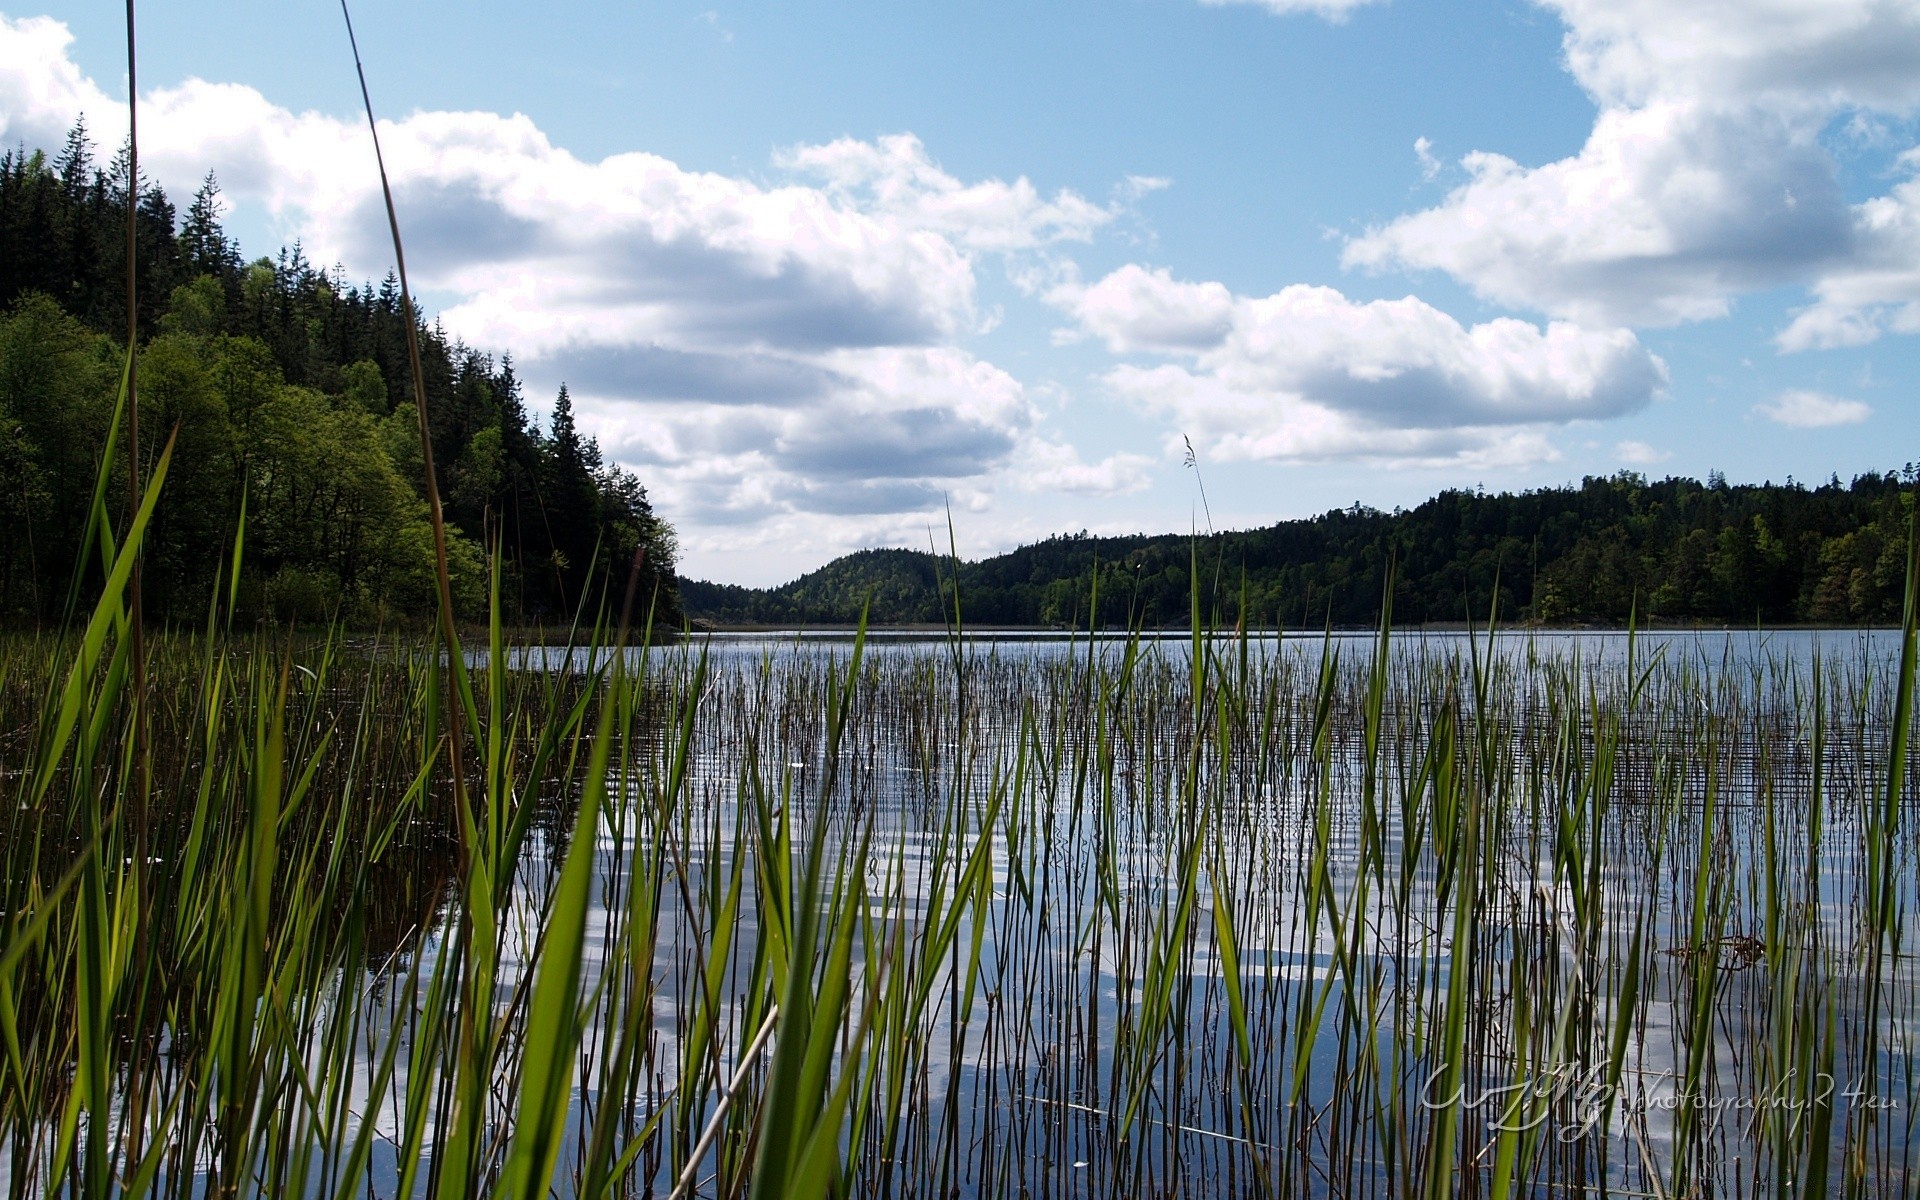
(1680, 549)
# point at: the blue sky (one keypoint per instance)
(816, 272)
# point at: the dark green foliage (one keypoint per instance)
(902, 583)
(291, 388)
(63, 232)
(1677, 549)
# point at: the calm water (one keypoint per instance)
(1351, 924)
(1022, 1064)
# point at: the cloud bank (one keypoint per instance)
(1307, 374)
(1799, 409)
(768, 353)
(1710, 172)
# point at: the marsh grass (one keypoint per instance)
(794, 921)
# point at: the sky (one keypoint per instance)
(823, 274)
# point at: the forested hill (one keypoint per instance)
(290, 390)
(1683, 550)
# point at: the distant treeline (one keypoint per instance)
(291, 393)
(1677, 550)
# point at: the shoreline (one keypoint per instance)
(1263, 631)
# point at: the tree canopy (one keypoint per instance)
(1594, 553)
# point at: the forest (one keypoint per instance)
(1596, 553)
(289, 398)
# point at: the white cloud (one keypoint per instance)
(1423, 151)
(1046, 466)
(1229, 424)
(42, 91)
(892, 177)
(1829, 325)
(1704, 176)
(1838, 52)
(1137, 309)
(764, 351)
(1666, 213)
(1812, 410)
(1332, 10)
(1640, 454)
(1876, 289)
(1307, 374)
(1136, 186)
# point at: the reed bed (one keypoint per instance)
(1347, 917)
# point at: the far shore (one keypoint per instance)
(699, 627)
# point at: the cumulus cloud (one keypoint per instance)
(1876, 289)
(1234, 424)
(1139, 309)
(765, 351)
(1640, 454)
(1046, 466)
(1812, 410)
(42, 91)
(1704, 176)
(893, 177)
(1308, 374)
(918, 414)
(1666, 213)
(1852, 52)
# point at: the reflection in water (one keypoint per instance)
(1667, 931)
